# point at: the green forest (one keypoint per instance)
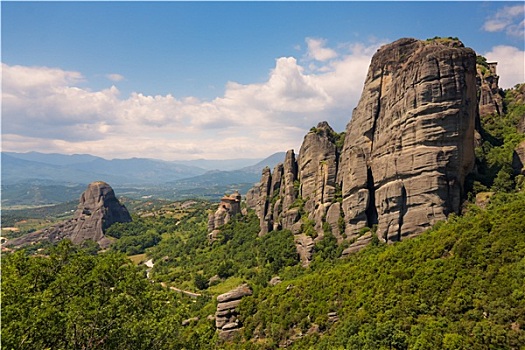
(460, 285)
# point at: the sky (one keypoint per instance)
(212, 80)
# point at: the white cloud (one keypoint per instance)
(509, 19)
(115, 77)
(47, 109)
(511, 64)
(31, 80)
(318, 51)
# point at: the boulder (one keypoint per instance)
(305, 248)
(188, 321)
(275, 281)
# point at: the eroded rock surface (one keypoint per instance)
(317, 171)
(226, 320)
(521, 125)
(97, 210)
(410, 143)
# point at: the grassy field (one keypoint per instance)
(225, 286)
(139, 258)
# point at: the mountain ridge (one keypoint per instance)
(34, 178)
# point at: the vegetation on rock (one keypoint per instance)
(500, 137)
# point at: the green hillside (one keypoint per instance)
(460, 286)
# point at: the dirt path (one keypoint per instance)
(187, 292)
(150, 265)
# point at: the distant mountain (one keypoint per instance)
(141, 170)
(83, 169)
(270, 162)
(16, 170)
(38, 178)
(245, 175)
(220, 164)
(53, 158)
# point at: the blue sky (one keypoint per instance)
(182, 80)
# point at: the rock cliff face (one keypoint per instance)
(410, 143)
(521, 125)
(97, 210)
(405, 156)
(317, 165)
(490, 95)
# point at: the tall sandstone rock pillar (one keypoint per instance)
(410, 143)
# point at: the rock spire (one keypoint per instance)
(97, 210)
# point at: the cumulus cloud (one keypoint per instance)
(511, 64)
(47, 109)
(318, 51)
(115, 77)
(510, 19)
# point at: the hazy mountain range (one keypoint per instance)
(40, 178)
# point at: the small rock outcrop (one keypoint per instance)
(226, 320)
(229, 206)
(401, 164)
(97, 210)
(275, 281)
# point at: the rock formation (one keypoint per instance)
(410, 143)
(406, 153)
(317, 168)
(519, 98)
(273, 198)
(228, 208)
(226, 320)
(97, 210)
(490, 95)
